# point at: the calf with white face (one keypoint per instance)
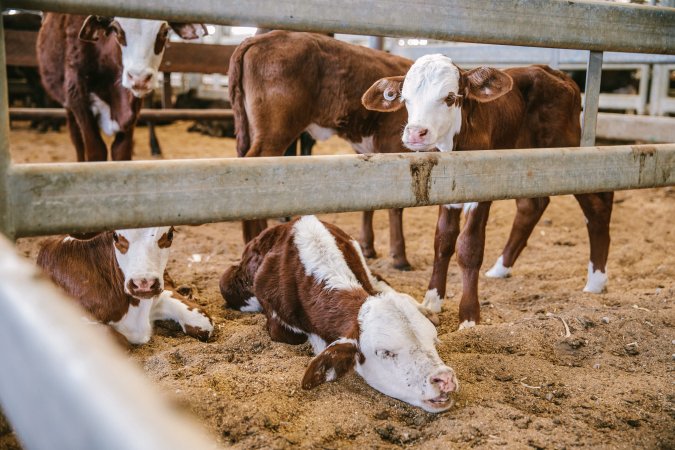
(311, 281)
(99, 68)
(118, 277)
(481, 109)
(142, 43)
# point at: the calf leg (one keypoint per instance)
(396, 240)
(194, 322)
(598, 211)
(79, 104)
(123, 146)
(280, 333)
(470, 249)
(529, 211)
(75, 135)
(252, 228)
(447, 230)
(367, 240)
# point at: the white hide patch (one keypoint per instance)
(320, 255)
(454, 206)
(101, 111)
(252, 305)
(318, 344)
(379, 286)
(499, 270)
(432, 301)
(466, 324)
(320, 133)
(365, 146)
(168, 307)
(597, 280)
(136, 325)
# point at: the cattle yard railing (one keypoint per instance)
(41, 338)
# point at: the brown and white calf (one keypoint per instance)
(485, 108)
(118, 277)
(311, 281)
(283, 83)
(99, 68)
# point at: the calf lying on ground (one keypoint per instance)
(118, 277)
(99, 68)
(311, 281)
(485, 108)
(283, 83)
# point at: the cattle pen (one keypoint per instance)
(45, 345)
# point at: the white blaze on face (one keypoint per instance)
(401, 360)
(431, 122)
(139, 60)
(144, 258)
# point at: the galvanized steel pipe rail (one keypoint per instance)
(583, 25)
(55, 198)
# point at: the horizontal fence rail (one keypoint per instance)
(90, 395)
(582, 24)
(610, 126)
(145, 114)
(69, 197)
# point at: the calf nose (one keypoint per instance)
(444, 380)
(144, 284)
(416, 134)
(140, 79)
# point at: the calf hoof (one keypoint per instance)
(466, 324)
(402, 265)
(368, 252)
(432, 316)
(432, 301)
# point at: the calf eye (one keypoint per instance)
(170, 234)
(116, 238)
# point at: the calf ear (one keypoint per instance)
(92, 26)
(486, 83)
(189, 30)
(384, 95)
(331, 364)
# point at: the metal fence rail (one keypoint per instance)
(90, 395)
(580, 24)
(53, 198)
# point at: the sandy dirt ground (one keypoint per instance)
(609, 385)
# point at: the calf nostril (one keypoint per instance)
(423, 132)
(155, 284)
(147, 78)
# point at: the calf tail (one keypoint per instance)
(237, 100)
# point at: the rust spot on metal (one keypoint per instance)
(366, 156)
(420, 172)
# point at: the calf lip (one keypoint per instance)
(420, 147)
(440, 403)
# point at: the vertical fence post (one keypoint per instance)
(6, 226)
(591, 99)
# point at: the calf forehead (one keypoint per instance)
(140, 29)
(143, 234)
(431, 76)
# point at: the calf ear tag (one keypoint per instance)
(389, 94)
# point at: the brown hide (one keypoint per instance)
(87, 270)
(542, 110)
(281, 82)
(271, 270)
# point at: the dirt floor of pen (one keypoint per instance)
(610, 384)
